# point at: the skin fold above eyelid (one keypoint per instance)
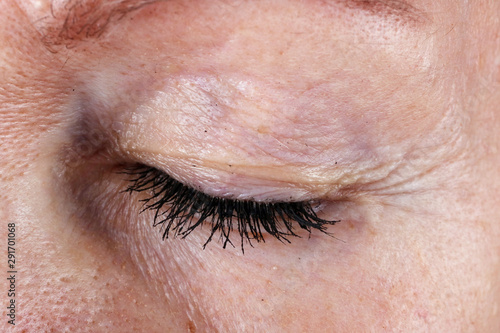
(99, 137)
(289, 151)
(138, 134)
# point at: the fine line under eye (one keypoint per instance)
(179, 210)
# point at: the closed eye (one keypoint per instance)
(179, 210)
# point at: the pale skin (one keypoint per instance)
(385, 113)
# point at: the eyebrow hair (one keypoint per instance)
(388, 8)
(77, 20)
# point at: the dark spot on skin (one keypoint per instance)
(191, 327)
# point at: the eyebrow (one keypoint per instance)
(388, 8)
(77, 20)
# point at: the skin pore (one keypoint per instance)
(385, 112)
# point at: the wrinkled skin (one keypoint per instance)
(387, 114)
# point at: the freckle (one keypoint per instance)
(64, 279)
(191, 327)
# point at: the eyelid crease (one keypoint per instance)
(277, 181)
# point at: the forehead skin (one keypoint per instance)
(387, 110)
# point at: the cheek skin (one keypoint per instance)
(72, 278)
(371, 289)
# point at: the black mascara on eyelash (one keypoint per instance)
(179, 210)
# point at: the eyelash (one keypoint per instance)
(179, 210)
